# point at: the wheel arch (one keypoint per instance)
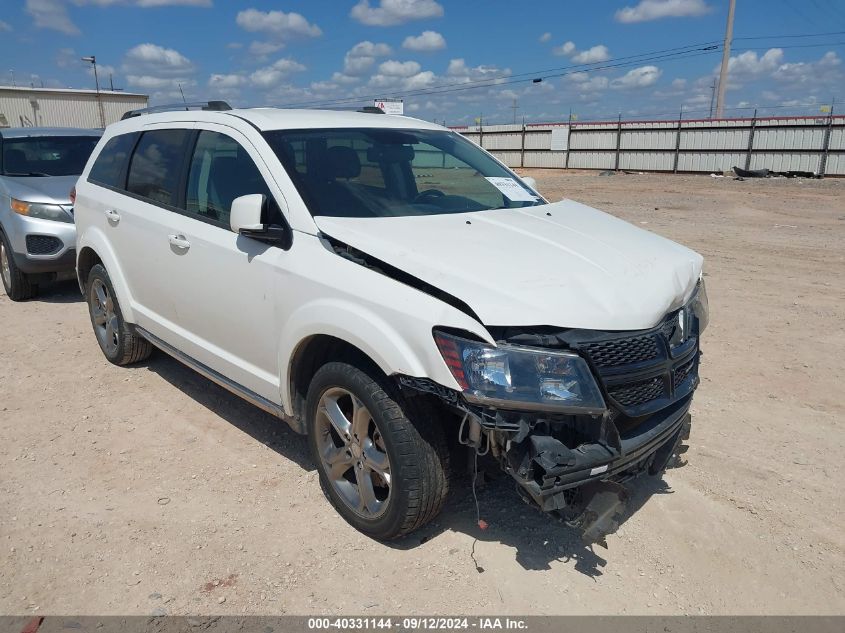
(93, 249)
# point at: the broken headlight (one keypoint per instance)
(700, 307)
(511, 376)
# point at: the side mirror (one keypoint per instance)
(246, 218)
(246, 213)
(528, 180)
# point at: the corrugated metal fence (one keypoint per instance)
(35, 107)
(813, 144)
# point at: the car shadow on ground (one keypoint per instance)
(66, 291)
(538, 538)
(260, 425)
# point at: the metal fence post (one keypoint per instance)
(522, 146)
(678, 142)
(826, 143)
(568, 139)
(618, 142)
(751, 141)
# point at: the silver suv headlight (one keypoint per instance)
(41, 211)
(510, 376)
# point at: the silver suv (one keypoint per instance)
(38, 169)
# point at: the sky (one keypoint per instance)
(450, 60)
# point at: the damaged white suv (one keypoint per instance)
(389, 288)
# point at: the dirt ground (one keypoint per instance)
(150, 490)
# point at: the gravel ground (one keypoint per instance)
(150, 490)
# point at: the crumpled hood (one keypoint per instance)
(44, 189)
(563, 264)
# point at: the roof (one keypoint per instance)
(23, 132)
(281, 119)
(86, 91)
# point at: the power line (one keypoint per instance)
(487, 82)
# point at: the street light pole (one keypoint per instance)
(93, 61)
(726, 56)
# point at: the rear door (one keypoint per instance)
(135, 209)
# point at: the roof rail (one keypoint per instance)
(371, 110)
(217, 106)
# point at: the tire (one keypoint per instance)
(405, 432)
(118, 343)
(16, 283)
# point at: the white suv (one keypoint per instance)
(390, 289)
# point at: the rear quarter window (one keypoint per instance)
(109, 167)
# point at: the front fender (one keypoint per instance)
(95, 239)
(403, 347)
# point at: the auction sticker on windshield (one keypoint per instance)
(511, 188)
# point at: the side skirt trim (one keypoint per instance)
(216, 377)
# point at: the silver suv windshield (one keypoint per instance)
(46, 155)
(376, 172)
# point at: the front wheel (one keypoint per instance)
(382, 459)
(119, 344)
(16, 283)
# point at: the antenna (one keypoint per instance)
(183, 96)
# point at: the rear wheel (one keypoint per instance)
(119, 344)
(382, 459)
(16, 283)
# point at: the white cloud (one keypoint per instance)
(545, 37)
(146, 4)
(262, 49)
(51, 14)
(5, 26)
(458, 69)
(272, 75)
(227, 81)
(641, 77)
(648, 10)
(426, 41)
(361, 57)
(392, 68)
(277, 24)
(749, 65)
(157, 61)
(824, 71)
(593, 55)
(565, 49)
(392, 12)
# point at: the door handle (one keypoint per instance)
(113, 216)
(179, 241)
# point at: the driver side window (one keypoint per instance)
(221, 170)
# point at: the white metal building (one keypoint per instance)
(64, 107)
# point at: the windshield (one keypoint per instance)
(387, 173)
(47, 155)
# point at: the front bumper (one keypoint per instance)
(41, 246)
(546, 469)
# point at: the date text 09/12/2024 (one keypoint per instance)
(416, 623)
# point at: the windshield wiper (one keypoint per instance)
(29, 173)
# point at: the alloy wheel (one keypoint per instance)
(106, 323)
(353, 453)
(5, 267)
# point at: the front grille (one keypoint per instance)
(43, 244)
(642, 372)
(683, 372)
(634, 394)
(622, 351)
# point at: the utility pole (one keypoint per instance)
(93, 61)
(514, 107)
(712, 97)
(726, 56)
(12, 72)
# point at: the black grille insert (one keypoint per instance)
(621, 352)
(637, 393)
(43, 244)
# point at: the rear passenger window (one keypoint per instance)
(108, 168)
(156, 163)
(221, 170)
